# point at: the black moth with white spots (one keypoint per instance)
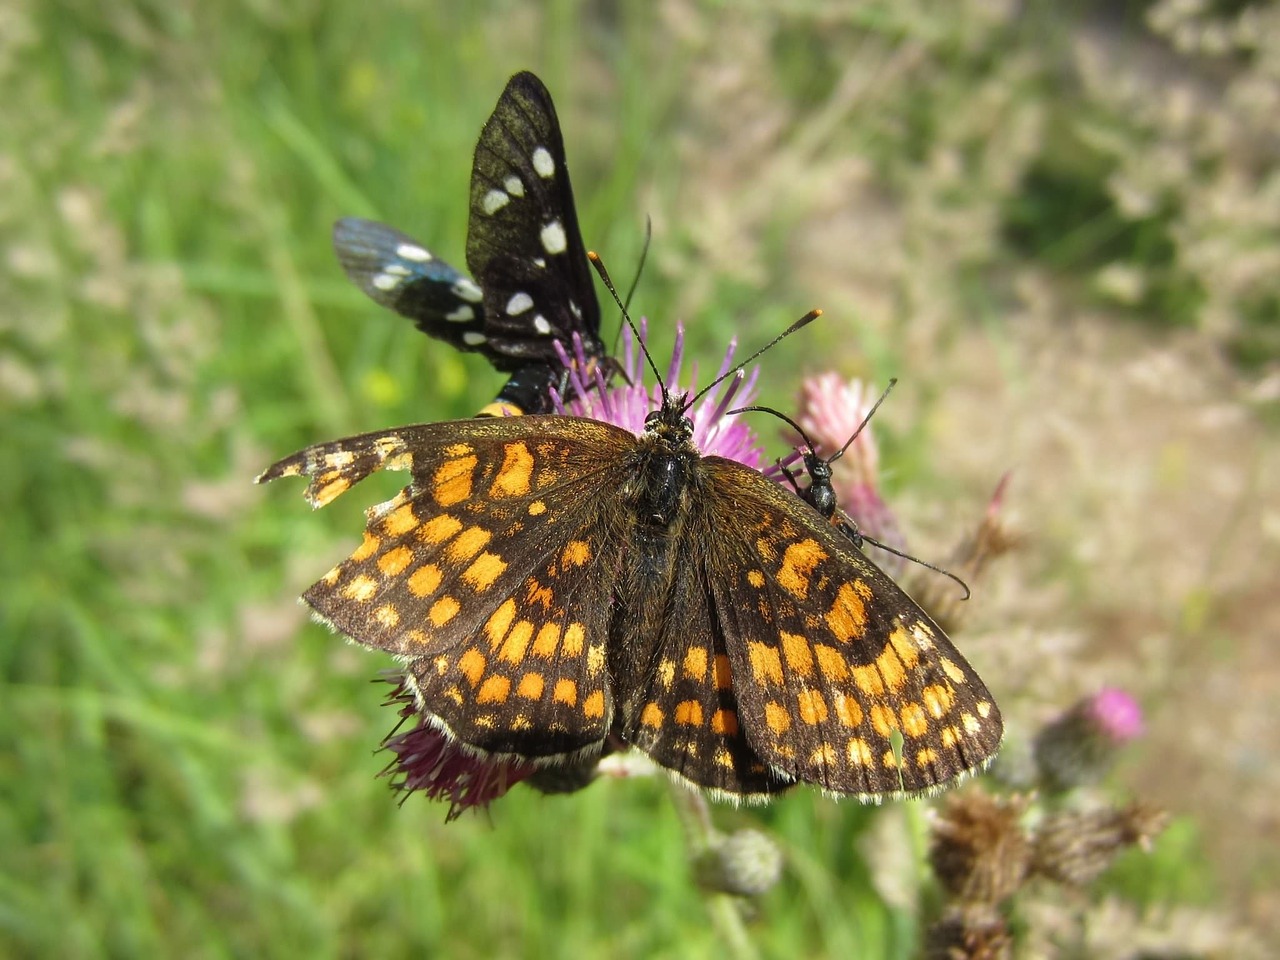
(533, 285)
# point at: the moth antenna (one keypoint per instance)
(598, 264)
(906, 556)
(893, 382)
(644, 256)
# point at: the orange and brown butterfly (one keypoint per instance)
(623, 574)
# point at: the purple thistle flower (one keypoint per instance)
(427, 759)
(1116, 715)
(1080, 746)
(626, 404)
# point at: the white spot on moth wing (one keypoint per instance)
(462, 314)
(540, 263)
(541, 325)
(553, 238)
(473, 338)
(543, 164)
(467, 290)
(577, 311)
(385, 282)
(518, 304)
(493, 201)
(411, 251)
(514, 186)
(397, 270)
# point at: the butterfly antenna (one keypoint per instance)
(598, 264)
(737, 368)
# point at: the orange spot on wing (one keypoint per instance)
(798, 653)
(651, 716)
(812, 708)
(724, 675)
(484, 571)
(395, 561)
(725, 722)
(593, 706)
(832, 663)
(443, 610)
(915, 723)
(544, 645)
(452, 481)
(776, 717)
(847, 616)
(494, 690)
(438, 529)
(517, 642)
(499, 623)
(468, 543)
(576, 553)
(424, 581)
(531, 686)
(765, 663)
(798, 563)
(400, 521)
(848, 712)
(513, 479)
(689, 713)
(368, 547)
(361, 589)
(471, 665)
(695, 663)
(883, 720)
(566, 692)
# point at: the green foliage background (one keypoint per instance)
(186, 766)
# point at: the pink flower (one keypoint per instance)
(629, 401)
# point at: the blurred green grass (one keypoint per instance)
(189, 767)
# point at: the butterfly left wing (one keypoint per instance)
(842, 679)
(489, 574)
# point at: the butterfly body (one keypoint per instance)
(554, 582)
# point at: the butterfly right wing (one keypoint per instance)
(490, 573)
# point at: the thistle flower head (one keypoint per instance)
(1080, 746)
(428, 760)
(627, 404)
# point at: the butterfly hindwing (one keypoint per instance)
(687, 716)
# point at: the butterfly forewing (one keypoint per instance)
(843, 681)
(491, 572)
(523, 242)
